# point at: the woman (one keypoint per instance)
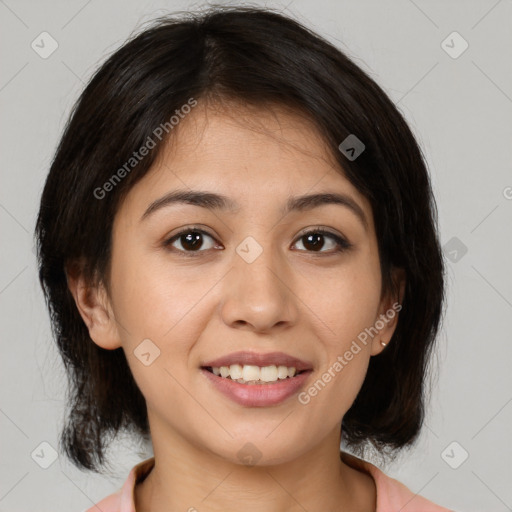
(237, 242)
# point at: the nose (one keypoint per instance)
(259, 296)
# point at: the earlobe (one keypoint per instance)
(94, 307)
(389, 312)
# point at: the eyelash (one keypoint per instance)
(342, 244)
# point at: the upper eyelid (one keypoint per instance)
(301, 233)
(305, 231)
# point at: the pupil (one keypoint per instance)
(315, 240)
(192, 241)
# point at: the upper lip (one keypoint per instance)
(256, 359)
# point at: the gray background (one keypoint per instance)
(459, 108)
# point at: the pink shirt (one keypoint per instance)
(392, 495)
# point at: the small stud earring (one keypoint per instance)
(383, 343)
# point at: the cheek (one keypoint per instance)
(155, 301)
(347, 301)
(161, 302)
(153, 297)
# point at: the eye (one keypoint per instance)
(314, 241)
(190, 240)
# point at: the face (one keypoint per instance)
(199, 283)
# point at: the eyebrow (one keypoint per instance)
(214, 201)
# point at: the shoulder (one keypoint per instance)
(392, 494)
(123, 499)
(111, 503)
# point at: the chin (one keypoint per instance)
(258, 449)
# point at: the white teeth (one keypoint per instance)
(270, 373)
(235, 371)
(282, 372)
(251, 373)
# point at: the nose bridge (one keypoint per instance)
(256, 293)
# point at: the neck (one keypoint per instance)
(189, 478)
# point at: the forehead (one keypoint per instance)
(233, 134)
(248, 153)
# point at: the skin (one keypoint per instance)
(292, 298)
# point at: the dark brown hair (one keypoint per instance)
(260, 58)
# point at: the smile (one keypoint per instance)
(252, 374)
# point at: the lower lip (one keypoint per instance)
(257, 395)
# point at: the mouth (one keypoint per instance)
(236, 363)
(255, 379)
(255, 375)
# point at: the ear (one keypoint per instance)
(390, 305)
(95, 309)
